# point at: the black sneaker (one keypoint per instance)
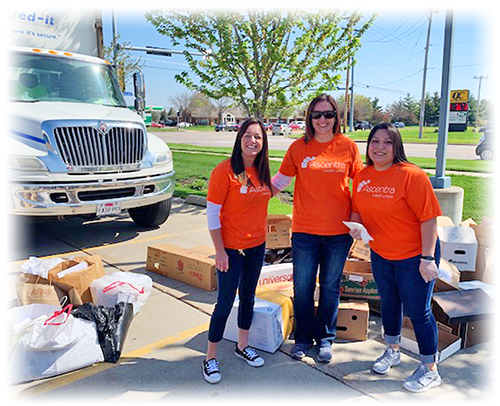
(211, 371)
(250, 356)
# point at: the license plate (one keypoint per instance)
(108, 209)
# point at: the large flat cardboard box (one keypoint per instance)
(268, 328)
(352, 320)
(279, 231)
(360, 250)
(448, 343)
(448, 277)
(459, 247)
(195, 266)
(357, 280)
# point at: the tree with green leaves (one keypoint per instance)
(126, 64)
(255, 56)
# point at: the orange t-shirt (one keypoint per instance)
(243, 215)
(392, 204)
(321, 199)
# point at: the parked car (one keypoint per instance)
(399, 124)
(362, 125)
(220, 127)
(298, 125)
(268, 126)
(281, 129)
(184, 124)
(157, 125)
(485, 147)
(236, 127)
(168, 123)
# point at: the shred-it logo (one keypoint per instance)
(376, 191)
(244, 189)
(328, 166)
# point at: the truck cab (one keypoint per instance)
(75, 148)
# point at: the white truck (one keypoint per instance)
(74, 146)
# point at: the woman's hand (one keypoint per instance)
(428, 269)
(221, 260)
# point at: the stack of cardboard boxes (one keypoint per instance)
(467, 255)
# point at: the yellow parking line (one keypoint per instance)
(67, 379)
(158, 237)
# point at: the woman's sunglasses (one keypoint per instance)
(329, 114)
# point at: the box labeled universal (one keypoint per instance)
(279, 231)
(195, 266)
(276, 275)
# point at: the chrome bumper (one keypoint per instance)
(83, 198)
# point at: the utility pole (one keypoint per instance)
(351, 114)
(422, 102)
(346, 103)
(115, 45)
(478, 96)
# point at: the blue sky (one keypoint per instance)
(390, 61)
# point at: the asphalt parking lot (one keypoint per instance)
(167, 339)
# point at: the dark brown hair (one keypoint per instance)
(261, 162)
(397, 142)
(309, 127)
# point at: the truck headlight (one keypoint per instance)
(163, 158)
(25, 163)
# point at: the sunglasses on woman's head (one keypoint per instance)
(329, 114)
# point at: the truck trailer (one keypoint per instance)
(74, 146)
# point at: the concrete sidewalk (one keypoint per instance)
(166, 342)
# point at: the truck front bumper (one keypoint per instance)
(67, 199)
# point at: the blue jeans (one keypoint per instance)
(329, 253)
(243, 275)
(399, 284)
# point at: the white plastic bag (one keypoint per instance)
(54, 345)
(120, 286)
(40, 267)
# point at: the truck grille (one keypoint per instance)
(88, 147)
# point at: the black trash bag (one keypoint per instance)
(112, 326)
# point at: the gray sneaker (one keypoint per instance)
(422, 379)
(299, 350)
(325, 353)
(390, 358)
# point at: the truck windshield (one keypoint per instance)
(36, 78)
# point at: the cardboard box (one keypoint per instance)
(360, 250)
(448, 343)
(357, 280)
(352, 321)
(444, 221)
(268, 329)
(286, 304)
(275, 275)
(459, 246)
(485, 236)
(194, 266)
(448, 278)
(279, 231)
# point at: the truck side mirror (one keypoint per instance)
(140, 91)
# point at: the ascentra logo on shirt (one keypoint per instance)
(327, 166)
(376, 191)
(244, 189)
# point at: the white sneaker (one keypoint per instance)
(389, 359)
(422, 379)
(211, 371)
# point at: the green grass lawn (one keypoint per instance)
(425, 163)
(193, 172)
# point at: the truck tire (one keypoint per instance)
(152, 215)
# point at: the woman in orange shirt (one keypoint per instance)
(395, 201)
(322, 161)
(238, 195)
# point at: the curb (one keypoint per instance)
(196, 200)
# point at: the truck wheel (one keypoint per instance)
(486, 155)
(152, 215)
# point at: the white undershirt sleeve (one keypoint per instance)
(213, 212)
(280, 181)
